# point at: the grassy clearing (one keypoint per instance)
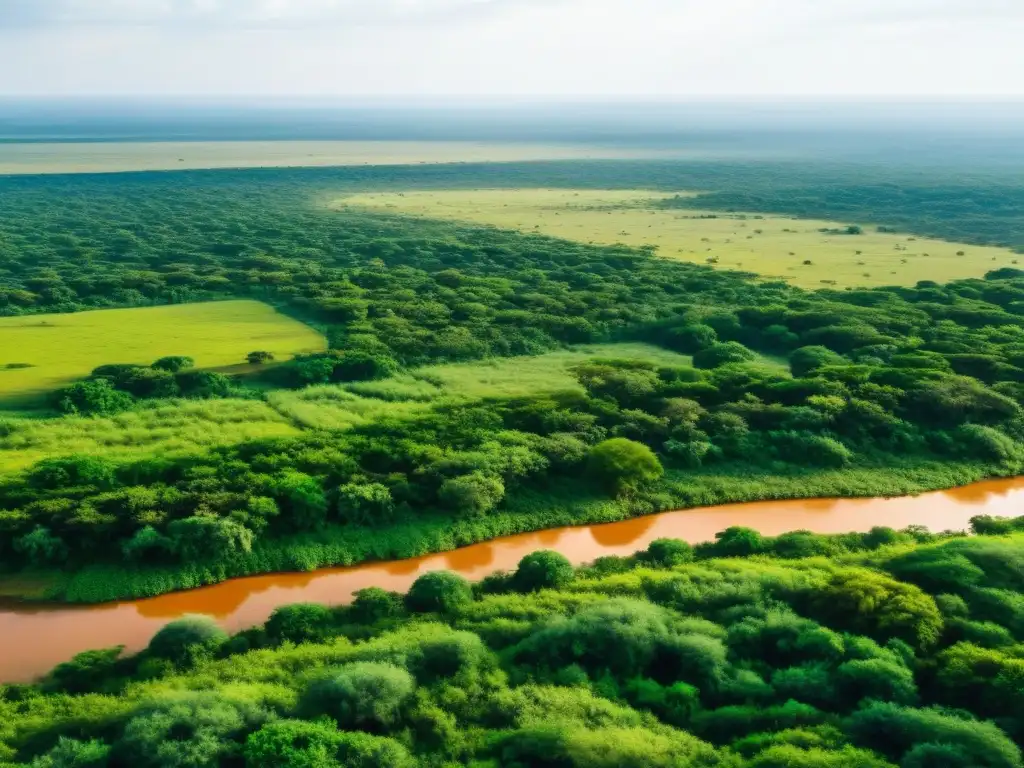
(349, 405)
(167, 429)
(772, 246)
(62, 347)
(179, 427)
(111, 157)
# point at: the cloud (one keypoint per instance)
(274, 14)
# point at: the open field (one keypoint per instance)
(62, 347)
(112, 157)
(347, 405)
(795, 250)
(169, 428)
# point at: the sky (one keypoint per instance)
(520, 48)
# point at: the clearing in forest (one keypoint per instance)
(804, 252)
(40, 353)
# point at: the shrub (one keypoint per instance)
(543, 570)
(193, 730)
(181, 639)
(621, 465)
(439, 592)
(301, 744)
(70, 753)
(302, 622)
(97, 396)
(259, 357)
(666, 553)
(373, 604)
(472, 494)
(721, 354)
(364, 695)
(174, 363)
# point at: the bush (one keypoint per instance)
(97, 396)
(807, 359)
(373, 604)
(361, 696)
(439, 592)
(174, 363)
(543, 570)
(302, 622)
(622, 465)
(666, 553)
(301, 744)
(473, 494)
(721, 354)
(180, 640)
(195, 730)
(70, 753)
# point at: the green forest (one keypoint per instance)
(870, 650)
(791, 393)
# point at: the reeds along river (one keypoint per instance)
(33, 639)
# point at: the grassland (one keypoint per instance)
(62, 347)
(112, 157)
(173, 428)
(807, 253)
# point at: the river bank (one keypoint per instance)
(525, 512)
(35, 637)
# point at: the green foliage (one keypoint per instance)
(364, 695)
(302, 622)
(543, 570)
(182, 639)
(622, 465)
(440, 592)
(722, 354)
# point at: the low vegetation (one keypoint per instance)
(42, 352)
(804, 252)
(890, 649)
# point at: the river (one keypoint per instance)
(34, 638)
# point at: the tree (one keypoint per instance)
(440, 592)
(181, 639)
(621, 465)
(543, 570)
(666, 553)
(204, 538)
(174, 363)
(70, 753)
(41, 547)
(721, 354)
(363, 695)
(691, 339)
(259, 357)
(358, 365)
(473, 494)
(807, 359)
(298, 623)
(96, 396)
(365, 504)
(194, 730)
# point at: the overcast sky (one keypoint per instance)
(513, 47)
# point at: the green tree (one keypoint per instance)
(363, 695)
(180, 640)
(622, 465)
(438, 592)
(543, 570)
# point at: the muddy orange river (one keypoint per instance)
(34, 638)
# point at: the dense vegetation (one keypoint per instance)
(868, 650)
(914, 387)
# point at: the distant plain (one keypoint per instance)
(804, 252)
(18, 158)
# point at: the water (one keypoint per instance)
(33, 639)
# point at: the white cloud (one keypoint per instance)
(233, 13)
(513, 47)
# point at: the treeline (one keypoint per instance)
(891, 649)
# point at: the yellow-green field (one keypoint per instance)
(173, 428)
(795, 250)
(111, 157)
(63, 347)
